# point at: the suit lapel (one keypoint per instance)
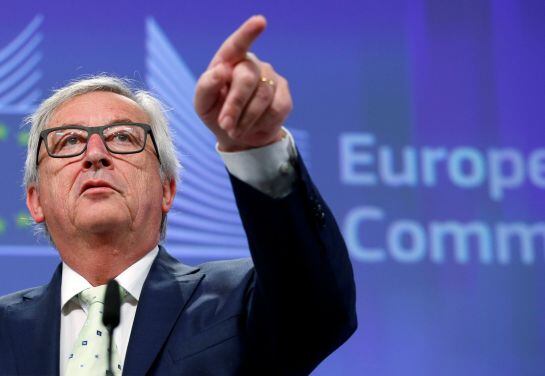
(35, 329)
(167, 290)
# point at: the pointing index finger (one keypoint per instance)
(236, 46)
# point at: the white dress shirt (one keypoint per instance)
(267, 169)
(73, 316)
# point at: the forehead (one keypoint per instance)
(97, 108)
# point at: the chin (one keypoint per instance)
(101, 222)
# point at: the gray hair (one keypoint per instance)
(169, 167)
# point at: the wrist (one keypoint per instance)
(229, 146)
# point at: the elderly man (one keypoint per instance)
(101, 176)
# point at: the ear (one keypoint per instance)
(169, 192)
(33, 204)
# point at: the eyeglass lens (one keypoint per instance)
(118, 138)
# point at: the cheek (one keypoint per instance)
(55, 191)
(55, 196)
(148, 189)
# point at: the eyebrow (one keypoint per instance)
(120, 121)
(113, 122)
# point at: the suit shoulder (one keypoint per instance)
(242, 265)
(228, 272)
(18, 296)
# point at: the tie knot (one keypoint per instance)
(96, 294)
(93, 295)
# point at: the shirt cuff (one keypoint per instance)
(269, 169)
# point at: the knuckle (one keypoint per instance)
(215, 76)
(288, 107)
(248, 85)
(252, 66)
(267, 67)
(246, 120)
(281, 109)
(274, 114)
(238, 47)
(202, 82)
(264, 94)
(247, 80)
(282, 84)
(237, 103)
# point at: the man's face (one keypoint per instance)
(98, 191)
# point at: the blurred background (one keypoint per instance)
(421, 122)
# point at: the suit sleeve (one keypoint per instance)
(301, 302)
(7, 358)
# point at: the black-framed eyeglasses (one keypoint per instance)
(119, 138)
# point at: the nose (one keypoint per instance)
(96, 156)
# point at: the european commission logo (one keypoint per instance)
(204, 220)
(20, 72)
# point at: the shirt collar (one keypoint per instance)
(132, 279)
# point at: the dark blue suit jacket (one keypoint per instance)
(278, 314)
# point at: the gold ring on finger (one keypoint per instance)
(267, 81)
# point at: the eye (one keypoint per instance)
(71, 140)
(124, 138)
(121, 137)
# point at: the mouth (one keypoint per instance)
(96, 186)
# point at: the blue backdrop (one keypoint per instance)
(422, 123)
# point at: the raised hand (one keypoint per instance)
(241, 99)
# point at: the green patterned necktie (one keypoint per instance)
(90, 353)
